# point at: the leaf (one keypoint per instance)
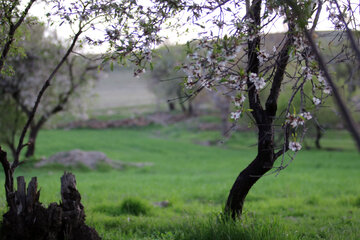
(112, 66)
(177, 68)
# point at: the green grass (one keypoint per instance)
(316, 197)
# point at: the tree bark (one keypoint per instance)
(34, 130)
(264, 118)
(171, 106)
(318, 136)
(190, 110)
(28, 219)
(263, 162)
(180, 99)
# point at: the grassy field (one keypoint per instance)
(316, 197)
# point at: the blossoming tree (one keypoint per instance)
(232, 54)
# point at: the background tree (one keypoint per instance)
(11, 122)
(165, 80)
(66, 91)
(130, 32)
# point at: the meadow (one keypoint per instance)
(316, 197)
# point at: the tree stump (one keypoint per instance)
(28, 219)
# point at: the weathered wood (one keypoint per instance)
(32, 196)
(27, 219)
(20, 195)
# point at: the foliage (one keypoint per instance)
(131, 28)
(11, 121)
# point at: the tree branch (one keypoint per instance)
(354, 45)
(11, 34)
(282, 61)
(317, 16)
(342, 107)
(253, 62)
(43, 89)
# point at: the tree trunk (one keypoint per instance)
(28, 219)
(190, 110)
(180, 99)
(263, 162)
(318, 136)
(171, 106)
(12, 149)
(34, 130)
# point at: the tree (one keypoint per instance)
(11, 121)
(66, 90)
(165, 80)
(217, 62)
(130, 33)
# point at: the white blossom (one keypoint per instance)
(189, 82)
(306, 115)
(327, 89)
(294, 120)
(294, 146)
(263, 56)
(235, 115)
(239, 100)
(307, 73)
(258, 82)
(321, 78)
(252, 77)
(316, 101)
(207, 84)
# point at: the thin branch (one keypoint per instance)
(354, 45)
(317, 16)
(342, 107)
(282, 61)
(40, 94)
(253, 62)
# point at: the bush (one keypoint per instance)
(134, 206)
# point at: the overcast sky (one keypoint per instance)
(64, 31)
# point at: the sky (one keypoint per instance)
(65, 32)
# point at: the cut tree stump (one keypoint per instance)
(28, 219)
